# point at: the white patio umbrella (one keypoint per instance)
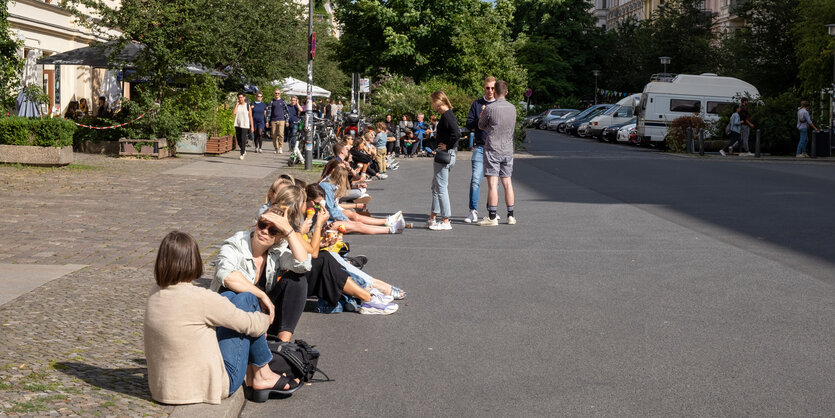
(295, 87)
(23, 105)
(111, 89)
(30, 69)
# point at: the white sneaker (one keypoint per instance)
(511, 220)
(241, 157)
(430, 223)
(383, 298)
(750, 154)
(488, 222)
(721, 151)
(280, 152)
(472, 217)
(377, 306)
(275, 152)
(441, 226)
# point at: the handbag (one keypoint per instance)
(443, 157)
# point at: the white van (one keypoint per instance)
(702, 95)
(621, 112)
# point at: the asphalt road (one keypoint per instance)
(636, 283)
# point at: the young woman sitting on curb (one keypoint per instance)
(335, 186)
(201, 346)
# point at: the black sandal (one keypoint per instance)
(261, 396)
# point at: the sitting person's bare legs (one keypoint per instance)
(260, 378)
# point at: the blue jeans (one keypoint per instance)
(290, 134)
(804, 137)
(239, 350)
(440, 193)
(472, 138)
(478, 173)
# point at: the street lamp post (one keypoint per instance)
(308, 120)
(832, 94)
(596, 73)
(665, 61)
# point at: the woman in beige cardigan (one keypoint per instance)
(200, 345)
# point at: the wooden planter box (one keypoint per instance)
(99, 147)
(219, 144)
(154, 148)
(32, 155)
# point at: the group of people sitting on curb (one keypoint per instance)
(202, 345)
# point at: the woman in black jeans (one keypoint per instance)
(243, 123)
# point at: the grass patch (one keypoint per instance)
(82, 167)
(5, 386)
(42, 387)
(35, 405)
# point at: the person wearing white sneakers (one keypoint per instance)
(243, 122)
(446, 142)
(478, 145)
(498, 121)
(334, 187)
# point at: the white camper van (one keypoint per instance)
(619, 113)
(686, 95)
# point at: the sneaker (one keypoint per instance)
(377, 306)
(805, 155)
(381, 176)
(801, 155)
(275, 152)
(381, 296)
(472, 217)
(511, 220)
(393, 167)
(364, 198)
(488, 222)
(441, 226)
(280, 152)
(430, 223)
(750, 154)
(721, 151)
(241, 157)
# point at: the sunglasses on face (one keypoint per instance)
(273, 231)
(489, 88)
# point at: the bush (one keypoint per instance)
(160, 120)
(676, 140)
(776, 118)
(87, 134)
(50, 132)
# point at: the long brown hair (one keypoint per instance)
(332, 163)
(290, 201)
(339, 178)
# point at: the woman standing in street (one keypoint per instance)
(446, 143)
(243, 122)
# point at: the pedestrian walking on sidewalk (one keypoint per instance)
(745, 127)
(243, 122)
(478, 145)
(804, 121)
(446, 143)
(498, 121)
(733, 131)
(278, 120)
(259, 120)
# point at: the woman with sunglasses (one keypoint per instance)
(256, 261)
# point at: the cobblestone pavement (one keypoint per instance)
(74, 346)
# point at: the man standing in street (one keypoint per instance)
(294, 111)
(745, 127)
(478, 145)
(498, 121)
(278, 118)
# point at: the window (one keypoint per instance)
(717, 107)
(681, 105)
(624, 112)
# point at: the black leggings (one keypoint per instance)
(289, 296)
(326, 278)
(259, 137)
(242, 135)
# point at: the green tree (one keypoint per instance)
(814, 45)
(10, 62)
(461, 41)
(763, 51)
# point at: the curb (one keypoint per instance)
(231, 407)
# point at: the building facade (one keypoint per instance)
(44, 29)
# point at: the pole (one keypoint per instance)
(757, 145)
(308, 119)
(595, 89)
(814, 145)
(702, 142)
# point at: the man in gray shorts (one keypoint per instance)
(498, 121)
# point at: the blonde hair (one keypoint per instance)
(278, 184)
(381, 126)
(290, 202)
(440, 97)
(339, 178)
(489, 79)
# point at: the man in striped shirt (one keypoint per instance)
(498, 121)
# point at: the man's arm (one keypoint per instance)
(472, 117)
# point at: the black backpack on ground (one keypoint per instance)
(297, 360)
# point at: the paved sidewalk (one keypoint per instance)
(73, 346)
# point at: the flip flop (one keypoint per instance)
(261, 396)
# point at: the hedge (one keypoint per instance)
(49, 132)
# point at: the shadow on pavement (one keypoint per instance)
(131, 381)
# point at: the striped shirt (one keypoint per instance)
(498, 121)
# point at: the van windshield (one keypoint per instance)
(612, 110)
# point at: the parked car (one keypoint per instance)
(572, 124)
(628, 134)
(556, 123)
(551, 115)
(532, 120)
(610, 133)
(621, 112)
